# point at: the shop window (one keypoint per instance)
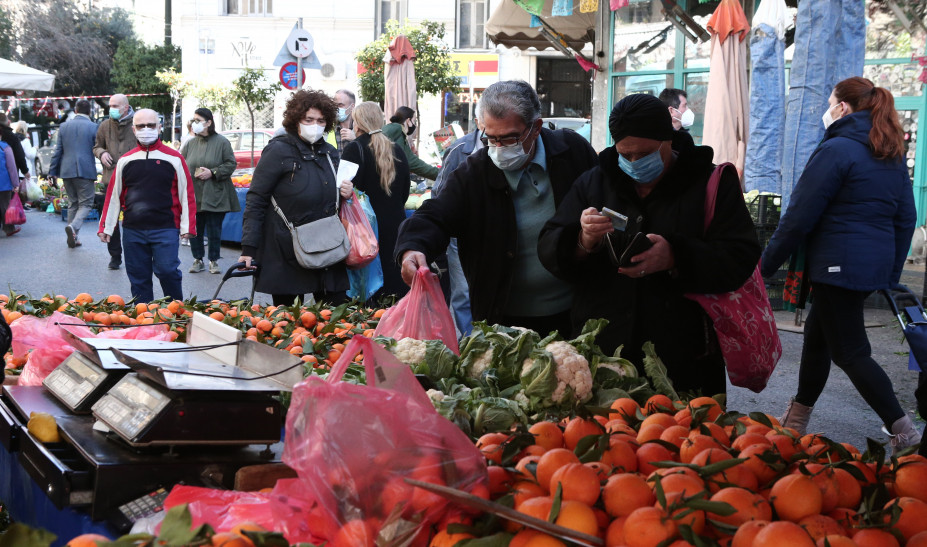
(457, 108)
(900, 79)
(471, 16)
(390, 9)
(564, 88)
(890, 37)
(908, 119)
(696, 93)
(249, 7)
(643, 38)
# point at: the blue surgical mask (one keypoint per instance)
(342, 114)
(114, 113)
(643, 170)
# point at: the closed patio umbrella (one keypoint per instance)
(399, 76)
(726, 124)
(763, 168)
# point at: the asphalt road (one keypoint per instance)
(37, 261)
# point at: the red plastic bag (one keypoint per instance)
(222, 509)
(364, 245)
(352, 446)
(44, 342)
(421, 314)
(15, 214)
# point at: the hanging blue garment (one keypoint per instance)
(763, 164)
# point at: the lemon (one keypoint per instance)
(42, 426)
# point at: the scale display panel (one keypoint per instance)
(74, 380)
(130, 406)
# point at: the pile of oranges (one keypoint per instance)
(317, 334)
(674, 474)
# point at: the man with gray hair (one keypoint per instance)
(114, 138)
(344, 129)
(495, 204)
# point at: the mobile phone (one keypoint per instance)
(619, 221)
(639, 244)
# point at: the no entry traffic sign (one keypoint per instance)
(288, 75)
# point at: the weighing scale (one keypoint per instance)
(219, 389)
(81, 379)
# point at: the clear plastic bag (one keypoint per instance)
(352, 446)
(364, 245)
(421, 314)
(43, 341)
(32, 190)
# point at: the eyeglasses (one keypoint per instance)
(505, 142)
(152, 125)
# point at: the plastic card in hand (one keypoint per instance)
(619, 221)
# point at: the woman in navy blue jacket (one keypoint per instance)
(853, 207)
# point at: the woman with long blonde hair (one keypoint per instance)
(384, 176)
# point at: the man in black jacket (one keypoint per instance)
(495, 205)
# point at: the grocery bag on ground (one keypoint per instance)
(32, 190)
(15, 214)
(364, 245)
(353, 445)
(366, 281)
(421, 314)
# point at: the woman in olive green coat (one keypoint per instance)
(211, 161)
(399, 127)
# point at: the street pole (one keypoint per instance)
(470, 80)
(299, 61)
(167, 22)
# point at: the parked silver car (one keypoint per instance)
(43, 156)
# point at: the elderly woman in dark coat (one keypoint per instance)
(662, 192)
(297, 170)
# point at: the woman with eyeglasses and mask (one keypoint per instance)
(661, 191)
(401, 125)
(211, 161)
(853, 209)
(297, 172)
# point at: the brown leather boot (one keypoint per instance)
(796, 416)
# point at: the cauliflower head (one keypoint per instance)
(410, 351)
(572, 372)
(480, 364)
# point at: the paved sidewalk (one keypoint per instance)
(37, 261)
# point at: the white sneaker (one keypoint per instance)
(197, 266)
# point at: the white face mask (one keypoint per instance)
(198, 127)
(827, 118)
(509, 158)
(687, 118)
(311, 132)
(146, 135)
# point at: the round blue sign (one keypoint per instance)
(288, 75)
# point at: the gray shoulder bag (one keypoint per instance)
(320, 243)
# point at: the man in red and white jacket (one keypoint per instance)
(152, 187)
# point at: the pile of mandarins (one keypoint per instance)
(674, 474)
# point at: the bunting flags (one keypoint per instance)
(562, 7)
(617, 4)
(534, 7)
(588, 6)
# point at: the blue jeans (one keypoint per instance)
(460, 291)
(153, 251)
(208, 223)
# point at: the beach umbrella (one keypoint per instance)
(399, 76)
(763, 167)
(726, 124)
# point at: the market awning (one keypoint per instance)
(510, 26)
(17, 77)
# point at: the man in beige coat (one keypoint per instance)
(114, 138)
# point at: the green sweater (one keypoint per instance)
(396, 133)
(214, 152)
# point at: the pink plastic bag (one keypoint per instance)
(222, 509)
(421, 314)
(364, 245)
(352, 446)
(15, 214)
(44, 342)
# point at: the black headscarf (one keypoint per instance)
(640, 115)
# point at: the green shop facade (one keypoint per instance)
(640, 51)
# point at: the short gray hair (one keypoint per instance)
(510, 97)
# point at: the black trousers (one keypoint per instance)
(835, 331)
